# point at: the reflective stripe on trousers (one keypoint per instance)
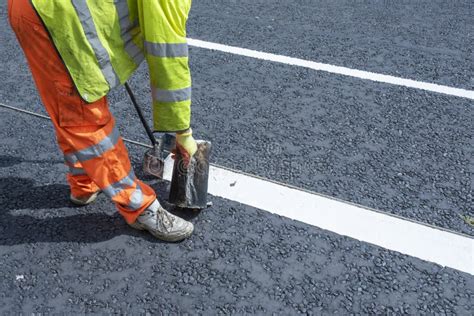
(76, 171)
(94, 152)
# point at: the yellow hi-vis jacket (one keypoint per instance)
(102, 42)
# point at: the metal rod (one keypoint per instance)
(134, 142)
(273, 181)
(140, 114)
(24, 111)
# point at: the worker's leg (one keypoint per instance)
(86, 132)
(80, 183)
(163, 25)
(22, 19)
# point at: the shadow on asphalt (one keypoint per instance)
(23, 194)
(90, 227)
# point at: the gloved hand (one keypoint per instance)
(186, 144)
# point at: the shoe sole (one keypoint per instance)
(78, 202)
(175, 238)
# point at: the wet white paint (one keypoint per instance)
(407, 237)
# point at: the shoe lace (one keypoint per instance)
(164, 219)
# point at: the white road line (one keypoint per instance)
(469, 94)
(417, 240)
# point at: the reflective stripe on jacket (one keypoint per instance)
(102, 42)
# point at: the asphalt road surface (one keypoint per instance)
(399, 150)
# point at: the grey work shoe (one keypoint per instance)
(162, 224)
(84, 200)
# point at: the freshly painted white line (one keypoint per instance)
(469, 94)
(407, 237)
(417, 240)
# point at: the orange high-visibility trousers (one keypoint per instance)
(86, 132)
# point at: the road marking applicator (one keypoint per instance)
(407, 236)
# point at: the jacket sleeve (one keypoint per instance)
(163, 26)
